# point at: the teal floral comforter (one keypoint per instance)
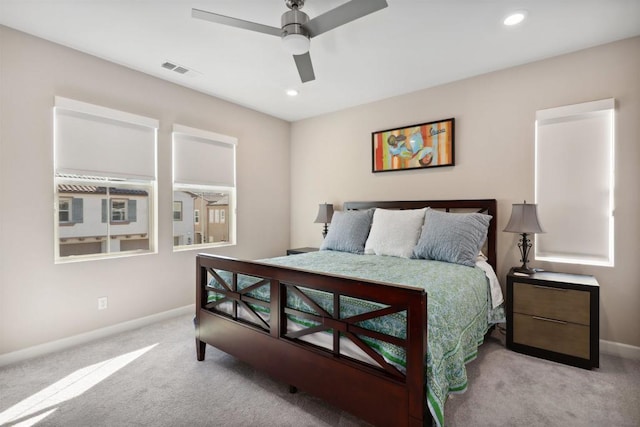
(459, 311)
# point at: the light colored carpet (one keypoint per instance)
(166, 386)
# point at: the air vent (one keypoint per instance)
(175, 67)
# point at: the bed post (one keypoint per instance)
(200, 278)
(416, 361)
(492, 256)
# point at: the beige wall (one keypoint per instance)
(329, 160)
(41, 301)
(494, 149)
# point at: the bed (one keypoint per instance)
(352, 328)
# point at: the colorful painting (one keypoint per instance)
(426, 145)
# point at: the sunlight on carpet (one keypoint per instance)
(43, 403)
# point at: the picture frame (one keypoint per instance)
(421, 146)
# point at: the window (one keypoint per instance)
(64, 210)
(70, 210)
(574, 183)
(105, 181)
(118, 210)
(204, 184)
(177, 211)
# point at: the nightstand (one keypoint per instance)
(554, 316)
(297, 251)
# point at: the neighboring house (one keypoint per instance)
(200, 218)
(217, 222)
(90, 221)
(183, 219)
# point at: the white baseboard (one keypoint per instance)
(618, 349)
(62, 344)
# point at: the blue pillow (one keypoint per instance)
(452, 237)
(348, 231)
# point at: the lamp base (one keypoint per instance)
(524, 270)
(524, 245)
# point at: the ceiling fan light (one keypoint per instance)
(296, 44)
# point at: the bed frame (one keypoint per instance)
(381, 395)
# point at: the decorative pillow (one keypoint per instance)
(452, 237)
(394, 232)
(348, 231)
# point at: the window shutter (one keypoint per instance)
(131, 208)
(104, 210)
(90, 140)
(203, 157)
(76, 209)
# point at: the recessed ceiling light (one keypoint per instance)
(292, 92)
(514, 18)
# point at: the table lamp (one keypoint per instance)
(325, 212)
(524, 220)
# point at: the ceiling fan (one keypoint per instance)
(297, 29)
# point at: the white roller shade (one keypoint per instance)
(574, 183)
(202, 157)
(98, 141)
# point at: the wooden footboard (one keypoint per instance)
(380, 393)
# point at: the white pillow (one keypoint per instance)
(394, 232)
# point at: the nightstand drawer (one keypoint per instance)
(552, 303)
(553, 335)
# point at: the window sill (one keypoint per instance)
(98, 257)
(201, 246)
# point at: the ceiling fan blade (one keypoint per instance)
(235, 22)
(305, 69)
(347, 12)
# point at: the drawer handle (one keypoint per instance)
(550, 289)
(549, 320)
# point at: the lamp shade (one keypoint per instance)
(325, 212)
(524, 219)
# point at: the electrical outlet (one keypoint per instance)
(102, 303)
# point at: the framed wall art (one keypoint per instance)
(421, 146)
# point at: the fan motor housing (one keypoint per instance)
(292, 22)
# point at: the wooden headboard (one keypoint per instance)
(486, 206)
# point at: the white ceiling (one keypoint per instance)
(410, 45)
